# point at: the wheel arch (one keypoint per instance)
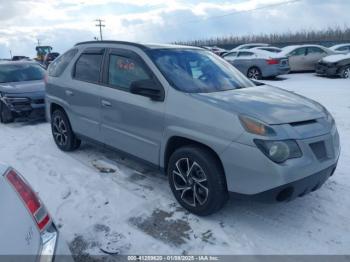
(176, 142)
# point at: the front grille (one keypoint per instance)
(319, 149)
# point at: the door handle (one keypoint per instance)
(69, 93)
(106, 103)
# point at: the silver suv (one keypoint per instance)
(192, 114)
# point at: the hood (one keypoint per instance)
(269, 104)
(335, 58)
(22, 87)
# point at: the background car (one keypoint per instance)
(305, 57)
(269, 49)
(342, 48)
(216, 50)
(257, 64)
(334, 65)
(26, 226)
(49, 58)
(22, 90)
(249, 46)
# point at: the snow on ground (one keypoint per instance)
(104, 203)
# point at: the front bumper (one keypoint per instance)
(275, 70)
(294, 189)
(322, 69)
(30, 104)
(249, 172)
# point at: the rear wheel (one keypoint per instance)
(5, 114)
(62, 131)
(254, 73)
(197, 180)
(345, 72)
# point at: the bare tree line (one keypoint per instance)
(327, 37)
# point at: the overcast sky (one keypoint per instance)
(62, 23)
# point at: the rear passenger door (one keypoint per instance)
(314, 54)
(83, 93)
(297, 59)
(244, 61)
(130, 122)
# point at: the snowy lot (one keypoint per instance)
(132, 210)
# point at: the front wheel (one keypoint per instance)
(5, 114)
(62, 132)
(345, 72)
(197, 180)
(254, 73)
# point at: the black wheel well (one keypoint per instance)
(54, 107)
(177, 142)
(254, 66)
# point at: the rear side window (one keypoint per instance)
(88, 67)
(123, 71)
(315, 50)
(57, 67)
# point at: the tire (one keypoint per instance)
(62, 132)
(5, 114)
(254, 73)
(203, 191)
(345, 72)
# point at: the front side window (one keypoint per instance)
(298, 52)
(88, 67)
(21, 72)
(57, 67)
(124, 70)
(197, 71)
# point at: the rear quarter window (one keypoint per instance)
(87, 67)
(58, 66)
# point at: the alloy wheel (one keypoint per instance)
(60, 131)
(191, 182)
(254, 73)
(347, 73)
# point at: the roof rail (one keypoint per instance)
(112, 42)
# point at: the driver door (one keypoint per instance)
(131, 123)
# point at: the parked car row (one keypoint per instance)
(255, 64)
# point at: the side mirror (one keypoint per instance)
(148, 88)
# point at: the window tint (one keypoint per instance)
(231, 55)
(241, 54)
(57, 67)
(315, 50)
(299, 51)
(344, 48)
(88, 67)
(123, 71)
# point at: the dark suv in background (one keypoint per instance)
(22, 91)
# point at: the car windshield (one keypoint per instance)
(198, 71)
(21, 72)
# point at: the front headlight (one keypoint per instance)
(256, 127)
(279, 151)
(329, 117)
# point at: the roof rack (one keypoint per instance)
(112, 42)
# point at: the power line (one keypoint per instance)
(240, 12)
(100, 25)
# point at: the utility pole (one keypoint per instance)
(100, 25)
(38, 41)
(10, 53)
